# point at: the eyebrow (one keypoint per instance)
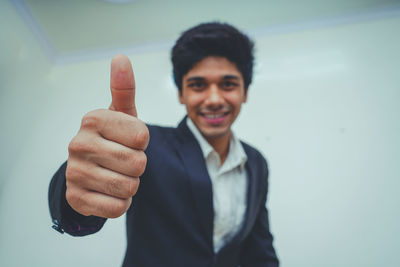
(230, 77)
(225, 77)
(195, 78)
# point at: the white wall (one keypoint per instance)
(323, 109)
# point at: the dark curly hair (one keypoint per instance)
(212, 39)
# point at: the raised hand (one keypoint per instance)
(106, 157)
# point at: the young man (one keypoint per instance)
(201, 200)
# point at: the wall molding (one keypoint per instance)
(60, 58)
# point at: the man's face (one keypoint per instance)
(213, 92)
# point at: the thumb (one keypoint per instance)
(122, 85)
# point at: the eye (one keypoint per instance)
(229, 85)
(198, 85)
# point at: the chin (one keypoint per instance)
(214, 133)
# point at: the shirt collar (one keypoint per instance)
(236, 156)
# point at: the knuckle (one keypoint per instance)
(77, 201)
(91, 120)
(78, 145)
(74, 199)
(73, 173)
(118, 208)
(122, 155)
(139, 163)
(74, 145)
(133, 186)
(142, 137)
(143, 163)
(113, 186)
(70, 172)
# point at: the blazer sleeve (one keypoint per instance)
(66, 219)
(258, 250)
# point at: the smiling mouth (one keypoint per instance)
(215, 119)
(215, 115)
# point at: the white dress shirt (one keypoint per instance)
(229, 186)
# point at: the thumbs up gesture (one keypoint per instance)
(106, 157)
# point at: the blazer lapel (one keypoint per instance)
(194, 163)
(251, 208)
(200, 181)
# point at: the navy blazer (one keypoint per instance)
(170, 221)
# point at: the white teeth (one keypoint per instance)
(213, 116)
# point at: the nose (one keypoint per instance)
(214, 97)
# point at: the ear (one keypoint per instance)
(180, 96)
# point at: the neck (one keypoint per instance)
(221, 146)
